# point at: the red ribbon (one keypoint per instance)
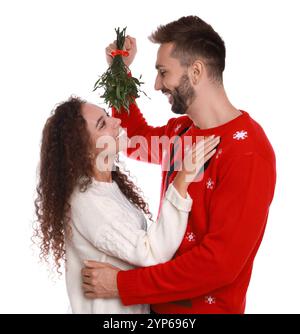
(119, 53)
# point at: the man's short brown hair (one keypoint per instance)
(194, 38)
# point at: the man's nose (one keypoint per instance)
(158, 84)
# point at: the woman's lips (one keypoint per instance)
(121, 133)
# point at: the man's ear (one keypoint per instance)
(196, 71)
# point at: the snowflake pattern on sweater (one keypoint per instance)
(240, 135)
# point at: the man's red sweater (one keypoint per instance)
(211, 270)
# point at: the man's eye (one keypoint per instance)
(162, 73)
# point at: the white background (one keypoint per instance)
(52, 49)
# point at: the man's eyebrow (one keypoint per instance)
(99, 119)
(158, 66)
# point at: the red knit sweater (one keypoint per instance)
(211, 270)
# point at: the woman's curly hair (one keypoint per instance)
(66, 162)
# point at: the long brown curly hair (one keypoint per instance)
(65, 162)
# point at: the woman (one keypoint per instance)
(88, 209)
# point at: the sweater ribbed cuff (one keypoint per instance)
(173, 196)
(126, 281)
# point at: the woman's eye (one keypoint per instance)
(101, 125)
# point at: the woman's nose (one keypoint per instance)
(116, 122)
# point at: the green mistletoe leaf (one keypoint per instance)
(119, 88)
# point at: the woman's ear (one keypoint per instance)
(196, 71)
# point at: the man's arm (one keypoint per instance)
(144, 137)
(145, 140)
(238, 214)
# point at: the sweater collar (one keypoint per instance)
(104, 185)
(219, 130)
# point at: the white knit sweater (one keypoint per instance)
(106, 227)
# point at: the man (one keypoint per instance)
(211, 270)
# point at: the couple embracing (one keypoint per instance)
(218, 180)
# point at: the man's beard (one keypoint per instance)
(183, 95)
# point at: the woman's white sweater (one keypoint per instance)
(106, 227)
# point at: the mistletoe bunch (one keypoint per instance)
(120, 89)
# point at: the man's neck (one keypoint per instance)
(212, 108)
